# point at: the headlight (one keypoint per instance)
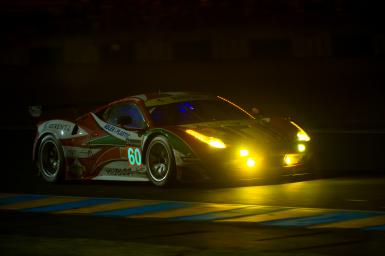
(301, 134)
(243, 152)
(214, 142)
(250, 162)
(292, 159)
(301, 148)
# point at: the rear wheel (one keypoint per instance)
(160, 162)
(51, 159)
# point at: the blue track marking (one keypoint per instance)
(228, 214)
(364, 219)
(379, 227)
(142, 209)
(320, 219)
(70, 205)
(20, 198)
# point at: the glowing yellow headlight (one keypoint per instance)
(301, 148)
(250, 162)
(292, 159)
(243, 152)
(214, 142)
(301, 134)
(287, 160)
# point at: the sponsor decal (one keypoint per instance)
(118, 170)
(78, 152)
(62, 128)
(116, 131)
(58, 126)
(130, 138)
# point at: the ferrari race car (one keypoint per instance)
(169, 137)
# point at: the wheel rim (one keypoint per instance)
(50, 159)
(159, 162)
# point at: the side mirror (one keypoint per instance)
(35, 111)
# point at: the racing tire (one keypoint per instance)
(160, 162)
(50, 161)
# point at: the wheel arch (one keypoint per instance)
(149, 138)
(175, 141)
(171, 175)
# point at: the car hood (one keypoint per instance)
(243, 131)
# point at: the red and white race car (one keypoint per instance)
(166, 137)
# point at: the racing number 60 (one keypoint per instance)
(134, 156)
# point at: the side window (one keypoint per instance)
(126, 115)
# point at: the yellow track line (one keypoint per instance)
(356, 223)
(290, 213)
(229, 212)
(248, 210)
(192, 210)
(108, 206)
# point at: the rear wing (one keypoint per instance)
(41, 113)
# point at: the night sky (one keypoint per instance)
(319, 61)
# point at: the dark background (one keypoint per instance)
(319, 61)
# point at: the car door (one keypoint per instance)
(122, 126)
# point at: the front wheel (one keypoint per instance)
(160, 162)
(51, 159)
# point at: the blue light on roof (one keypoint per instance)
(184, 107)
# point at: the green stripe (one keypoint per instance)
(107, 140)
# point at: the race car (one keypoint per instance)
(170, 137)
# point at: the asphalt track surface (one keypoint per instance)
(47, 233)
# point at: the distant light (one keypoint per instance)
(301, 147)
(243, 152)
(250, 162)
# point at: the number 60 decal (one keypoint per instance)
(134, 156)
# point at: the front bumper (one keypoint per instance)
(218, 167)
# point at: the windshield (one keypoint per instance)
(194, 112)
